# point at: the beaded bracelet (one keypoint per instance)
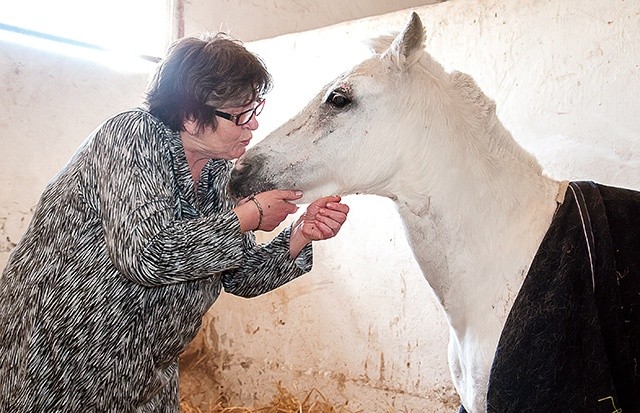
(255, 201)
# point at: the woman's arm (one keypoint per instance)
(137, 198)
(289, 255)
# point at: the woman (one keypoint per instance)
(132, 241)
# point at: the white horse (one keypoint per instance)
(475, 205)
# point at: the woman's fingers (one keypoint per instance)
(276, 206)
(324, 218)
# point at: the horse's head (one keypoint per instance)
(364, 133)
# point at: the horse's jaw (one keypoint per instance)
(252, 175)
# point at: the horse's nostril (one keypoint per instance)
(239, 180)
(242, 168)
(239, 166)
(246, 178)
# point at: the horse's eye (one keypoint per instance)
(338, 100)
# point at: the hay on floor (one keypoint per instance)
(283, 402)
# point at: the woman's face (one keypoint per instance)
(227, 141)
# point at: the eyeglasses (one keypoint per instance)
(245, 117)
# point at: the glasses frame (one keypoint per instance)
(256, 110)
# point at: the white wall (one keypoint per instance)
(363, 326)
(255, 20)
(49, 104)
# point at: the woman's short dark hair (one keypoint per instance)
(200, 75)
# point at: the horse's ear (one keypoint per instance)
(407, 42)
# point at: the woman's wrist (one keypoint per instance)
(260, 211)
(297, 240)
(249, 216)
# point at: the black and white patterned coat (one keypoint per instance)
(122, 259)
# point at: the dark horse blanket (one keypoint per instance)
(571, 342)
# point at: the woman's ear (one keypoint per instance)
(191, 125)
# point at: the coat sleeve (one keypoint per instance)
(267, 266)
(136, 201)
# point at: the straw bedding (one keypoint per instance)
(283, 402)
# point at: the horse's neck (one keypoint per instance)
(475, 235)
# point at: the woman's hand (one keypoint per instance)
(266, 210)
(322, 220)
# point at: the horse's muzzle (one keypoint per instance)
(246, 179)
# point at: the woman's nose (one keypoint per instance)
(252, 124)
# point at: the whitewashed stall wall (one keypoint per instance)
(255, 20)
